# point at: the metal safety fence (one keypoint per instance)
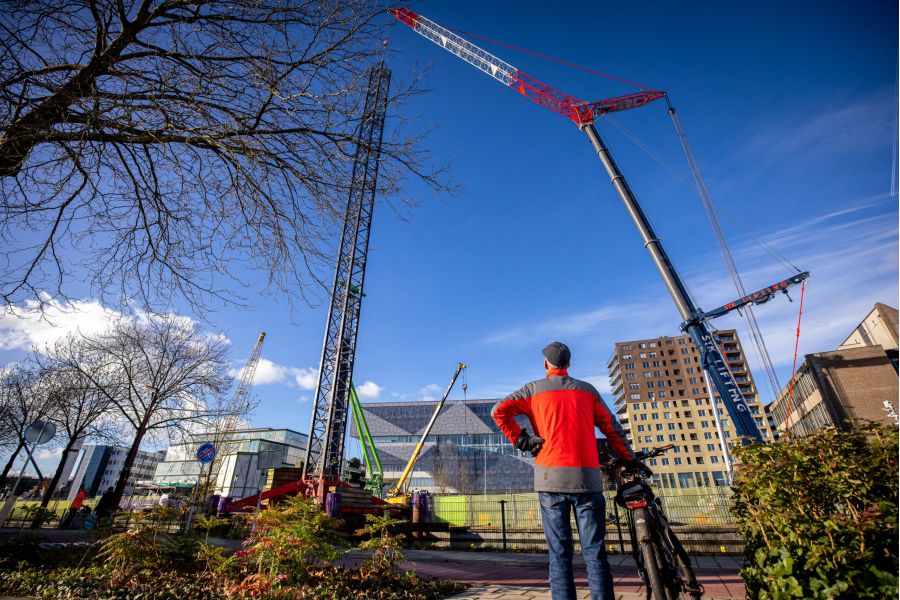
(701, 518)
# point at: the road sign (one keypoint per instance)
(206, 453)
(40, 432)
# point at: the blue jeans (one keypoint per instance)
(590, 515)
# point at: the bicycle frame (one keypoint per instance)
(648, 527)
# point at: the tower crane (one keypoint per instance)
(695, 322)
(238, 407)
(325, 449)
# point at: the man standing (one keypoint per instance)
(563, 412)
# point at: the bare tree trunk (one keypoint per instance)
(119, 490)
(10, 462)
(59, 470)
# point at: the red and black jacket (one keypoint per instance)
(563, 411)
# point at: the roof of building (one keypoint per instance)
(411, 418)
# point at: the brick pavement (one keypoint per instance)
(520, 576)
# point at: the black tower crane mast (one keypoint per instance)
(325, 450)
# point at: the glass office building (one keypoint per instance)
(465, 453)
(244, 459)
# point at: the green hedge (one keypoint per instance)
(819, 514)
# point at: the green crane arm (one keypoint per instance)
(365, 437)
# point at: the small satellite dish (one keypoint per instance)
(40, 432)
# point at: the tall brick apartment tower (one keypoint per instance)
(661, 397)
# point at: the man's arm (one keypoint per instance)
(505, 411)
(613, 431)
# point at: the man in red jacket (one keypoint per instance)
(563, 413)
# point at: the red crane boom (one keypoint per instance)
(577, 111)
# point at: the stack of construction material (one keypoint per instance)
(352, 497)
(282, 475)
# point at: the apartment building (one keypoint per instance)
(856, 383)
(661, 397)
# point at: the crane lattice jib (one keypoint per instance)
(572, 108)
(325, 449)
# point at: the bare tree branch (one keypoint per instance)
(175, 149)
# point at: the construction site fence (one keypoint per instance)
(701, 518)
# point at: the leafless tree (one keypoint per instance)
(25, 403)
(79, 408)
(180, 146)
(161, 373)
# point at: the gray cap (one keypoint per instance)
(557, 354)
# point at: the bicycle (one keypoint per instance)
(662, 561)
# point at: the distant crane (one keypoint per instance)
(400, 492)
(325, 450)
(231, 416)
(583, 114)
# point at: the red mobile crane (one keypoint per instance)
(583, 114)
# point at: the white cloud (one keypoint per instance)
(427, 393)
(369, 390)
(48, 454)
(24, 327)
(307, 379)
(848, 127)
(852, 255)
(303, 399)
(268, 372)
(32, 326)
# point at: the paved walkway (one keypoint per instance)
(520, 576)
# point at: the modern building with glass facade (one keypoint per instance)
(465, 453)
(97, 469)
(243, 461)
(661, 398)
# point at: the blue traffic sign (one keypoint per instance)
(206, 453)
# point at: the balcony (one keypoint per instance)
(612, 359)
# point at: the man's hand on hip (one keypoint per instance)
(528, 443)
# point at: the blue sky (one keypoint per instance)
(790, 108)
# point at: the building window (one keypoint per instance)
(662, 394)
(634, 386)
(677, 460)
(714, 459)
(634, 396)
(630, 376)
(665, 461)
(659, 426)
(626, 357)
(689, 370)
(628, 366)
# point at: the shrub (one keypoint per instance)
(819, 515)
(387, 552)
(291, 538)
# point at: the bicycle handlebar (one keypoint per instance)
(642, 455)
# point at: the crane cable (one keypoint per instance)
(750, 318)
(787, 421)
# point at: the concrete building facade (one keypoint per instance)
(661, 397)
(465, 453)
(97, 469)
(856, 383)
(244, 460)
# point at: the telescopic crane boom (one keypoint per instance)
(583, 114)
(402, 487)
